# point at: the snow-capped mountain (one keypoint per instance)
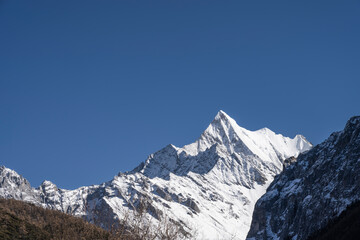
(209, 186)
(313, 190)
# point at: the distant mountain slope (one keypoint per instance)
(312, 191)
(210, 186)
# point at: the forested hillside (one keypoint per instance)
(20, 220)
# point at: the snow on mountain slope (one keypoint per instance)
(209, 186)
(312, 191)
(12, 185)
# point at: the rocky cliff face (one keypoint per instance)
(313, 190)
(210, 186)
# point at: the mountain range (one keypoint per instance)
(209, 187)
(231, 183)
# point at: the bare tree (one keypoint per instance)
(139, 224)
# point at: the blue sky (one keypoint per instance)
(91, 88)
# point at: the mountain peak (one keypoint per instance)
(221, 115)
(222, 122)
(6, 170)
(48, 186)
(265, 130)
(353, 123)
(47, 183)
(10, 176)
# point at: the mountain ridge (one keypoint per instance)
(210, 186)
(313, 190)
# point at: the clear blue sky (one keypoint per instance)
(91, 88)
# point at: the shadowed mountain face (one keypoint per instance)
(344, 227)
(209, 186)
(312, 191)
